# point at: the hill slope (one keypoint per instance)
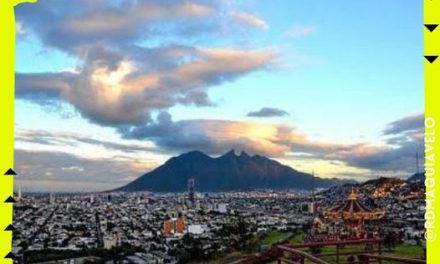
(229, 172)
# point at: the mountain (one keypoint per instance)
(379, 188)
(417, 177)
(381, 182)
(229, 172)
(373, 193)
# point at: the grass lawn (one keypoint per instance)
(298, 238)
(275, 237)
(411, 251)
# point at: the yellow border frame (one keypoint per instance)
(7, 91)
(7, 43)
(431, 10)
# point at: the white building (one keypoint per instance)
(196, 229)
(111, 241)
(223, 208)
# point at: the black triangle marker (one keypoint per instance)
(10, 199)
(431, 27)
(10, 228)
(431, 59)
(10, 255)
(10, 172)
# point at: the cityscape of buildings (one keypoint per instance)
(144, 227)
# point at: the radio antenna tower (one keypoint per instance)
(313, 194)
(417, 162)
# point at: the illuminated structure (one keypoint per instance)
(354, 214)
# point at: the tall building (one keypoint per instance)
(51, 198)
(167, 227)
(312, 207)
(92, 199)
(19, 192)
(111, 241)
(191, 183)
(180, 225)
(417, 162)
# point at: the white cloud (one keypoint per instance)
(299, 31)
(250, 20)
(19, 29)
(123, 88)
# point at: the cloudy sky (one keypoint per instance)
(107, 90)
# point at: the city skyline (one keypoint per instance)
(106, 92)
